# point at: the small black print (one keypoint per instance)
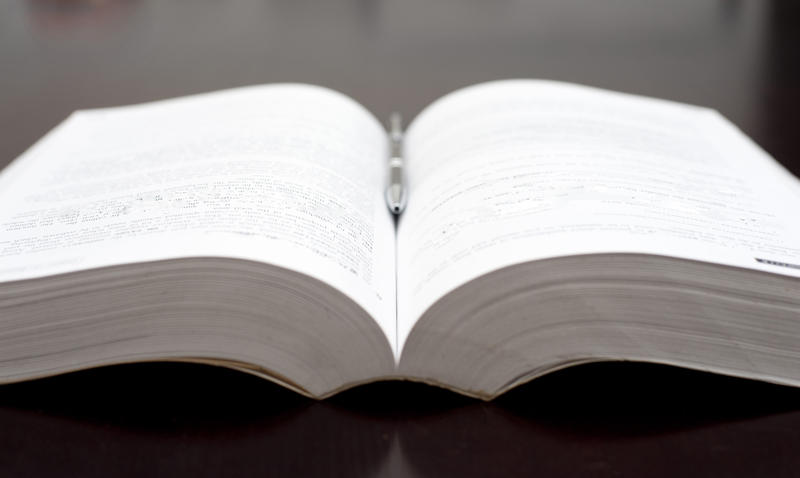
(777, 263)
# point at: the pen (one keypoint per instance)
(396, 193)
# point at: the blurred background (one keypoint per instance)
(62, 55)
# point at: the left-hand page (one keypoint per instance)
(285, 174)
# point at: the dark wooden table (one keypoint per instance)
(741, 57)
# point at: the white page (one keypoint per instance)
(514, 171)
(286, 174)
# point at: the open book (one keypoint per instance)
(548, 225)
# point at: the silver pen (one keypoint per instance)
(396, 191)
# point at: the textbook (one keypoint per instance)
(546, 225)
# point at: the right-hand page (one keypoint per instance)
(520, 170)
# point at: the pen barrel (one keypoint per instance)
(395, 145)
(396, 195)
(396, 171)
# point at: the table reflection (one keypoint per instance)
(170, 418)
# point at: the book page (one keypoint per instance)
(290, 175)
(515, 171)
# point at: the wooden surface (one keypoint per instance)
(741, 57)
